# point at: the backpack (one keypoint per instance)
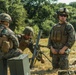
(59, 33)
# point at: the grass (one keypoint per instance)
(46, 68)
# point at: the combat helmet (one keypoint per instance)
(63, 11)
(28, 31)
(5, 17)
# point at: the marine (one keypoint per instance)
(61, 39)
(26, 41)
(8, 41)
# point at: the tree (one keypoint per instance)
(3, 6)
(18, 17)
(73, 4)
(46, 25)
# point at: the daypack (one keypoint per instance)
(59, 34)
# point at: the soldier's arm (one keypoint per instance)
(49, 43)
(31, 46)
(49, 40)
(19, 36)
(10, 35)
(14, 40)
(71, 36)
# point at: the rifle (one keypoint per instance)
(35, 53)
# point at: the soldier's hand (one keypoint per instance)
(62, 51)
(53, 50)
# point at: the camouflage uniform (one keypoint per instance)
(28, 43)
(8, 33)
(67, 39)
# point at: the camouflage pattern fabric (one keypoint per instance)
(63, 11)
(61, 61)
(10, 54)
(5, 17)
(13, 50)
(23, 44)
(70, 32)
(57, 34)
(28, 31)
(28, 44)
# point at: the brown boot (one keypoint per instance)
(42, 60)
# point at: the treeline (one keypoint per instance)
(39, 14)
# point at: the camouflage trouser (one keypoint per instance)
(10, 54)
(60, 61)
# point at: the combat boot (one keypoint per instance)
(42, 60)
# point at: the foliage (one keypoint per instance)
(46, 25)
(73, 22)
(36, 30)
(3, 7)
(18, 16)
(35, 13)
(73, 4)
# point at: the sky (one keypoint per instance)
(66, 1)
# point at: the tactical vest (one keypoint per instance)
(59, 34)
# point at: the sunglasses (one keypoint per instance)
(65, 15)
